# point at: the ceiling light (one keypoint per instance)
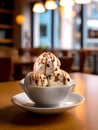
(65, 3)
(38, 7)
(20, 19)
(50, 4)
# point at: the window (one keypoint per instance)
(57, 28)
(92, 24)
(45, 29)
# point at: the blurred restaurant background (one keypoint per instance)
(68, 28)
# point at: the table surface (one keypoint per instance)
(83, 117)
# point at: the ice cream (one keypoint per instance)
(35, 79)
(47, 63)
(59, 78)
(47, 72)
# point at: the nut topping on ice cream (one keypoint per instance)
(47, 63)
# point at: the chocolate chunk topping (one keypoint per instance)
(56, 69)
(58, 74)
(48, 65)
(68, 79)
(49, 76)
(36, 81)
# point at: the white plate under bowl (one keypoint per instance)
(24, 102)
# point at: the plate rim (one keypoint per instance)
(43, 110)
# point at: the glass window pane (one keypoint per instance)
(56, 29)
(92, 24)
(45, 29)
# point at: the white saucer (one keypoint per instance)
(24, 102)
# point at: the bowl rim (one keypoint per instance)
(72, 83)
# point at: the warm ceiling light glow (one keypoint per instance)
(20, 19)
(82, 1)
(50, 4)
(38, 7)
(67, 3)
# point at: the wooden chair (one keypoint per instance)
(21, 69)
(36, 51)
(22, 51)
(65, 52)
(66, 63)
(5, 69)
(82, 58)
(58, 53)
(88, 62)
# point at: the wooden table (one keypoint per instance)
(83, 117)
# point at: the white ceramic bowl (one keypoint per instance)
(48, 96)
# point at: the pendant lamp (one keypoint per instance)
(50, 4)
(65, 3)
(20, 19)
(38, 7)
